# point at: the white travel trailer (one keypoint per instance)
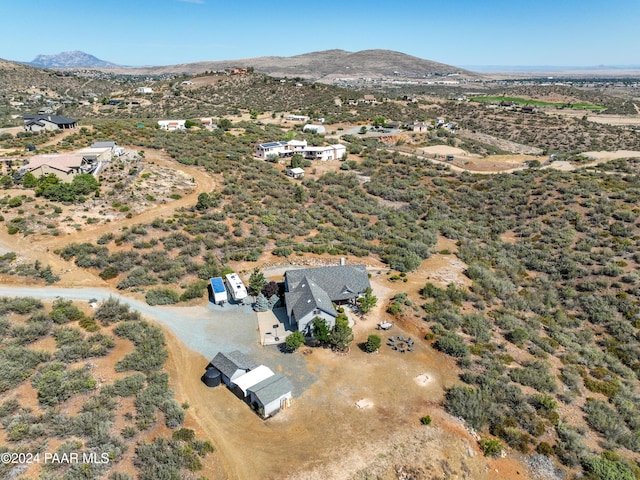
(236, 287)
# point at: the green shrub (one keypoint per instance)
(491, 447)
(162, 296)
(294, 341)
(373, 343)
(426, 420)
(452, 344)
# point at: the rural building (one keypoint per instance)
(287, 149)
(63, 166)
(116, 150)
(421, 127)
(236, 287)
(251, 378)
(207, 122)
(232, 365)
(370, 99)
(297, 118)
(172, 125)
(144, 90)
(529, 109)
(295, 172)
(271, 395)
(314, 128)
(311, 292)
(36, 123)
(331, 152)
(264, 150)
(218, 290)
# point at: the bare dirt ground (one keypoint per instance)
(324, 434)
(604, 118)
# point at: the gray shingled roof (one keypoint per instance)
(60, 120)
(306, 297)
(104, 144)
(271, 388)
(229, 362)
(340, 282)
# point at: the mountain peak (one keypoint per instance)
(69, 59)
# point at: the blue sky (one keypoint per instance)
(457, 32)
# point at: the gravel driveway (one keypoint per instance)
(206, 330)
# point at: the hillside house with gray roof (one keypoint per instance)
(312, 292)
(36, 123)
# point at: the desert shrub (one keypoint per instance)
(55, 383)
(536, 375)
(112, 311)
(452, 344)
(184, 434)
(491, 447)
(17, 364)
(150, 352)
(598, 468)
(138, 277)
(469, 403)
(129, 385)
(65, 311)
(162, 296)
(194, 290)
(19, 305)
(426, 420)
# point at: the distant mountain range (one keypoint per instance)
(326, 65)
(74, 59)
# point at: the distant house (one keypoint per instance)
(106, 145)
(286, 149)
(297, 118)
(296, 172)
(207, 122)
(144, 90)
(311, 292)
(314, 128)
(172, 125)
(331, 152)
(36, 123)
(529, 109)
(232, 365)
(421, 127)
(64, 166)
(271, 395)
(370, 99)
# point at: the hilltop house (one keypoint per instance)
(172, 125)
(144, 90)
(286, 149)
(311, 292)
(36, 123)
(65, 166)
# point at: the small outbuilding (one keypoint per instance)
(232, 365)
(251, 378)
(271, 395)
(295, 172)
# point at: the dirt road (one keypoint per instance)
(70, 275)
